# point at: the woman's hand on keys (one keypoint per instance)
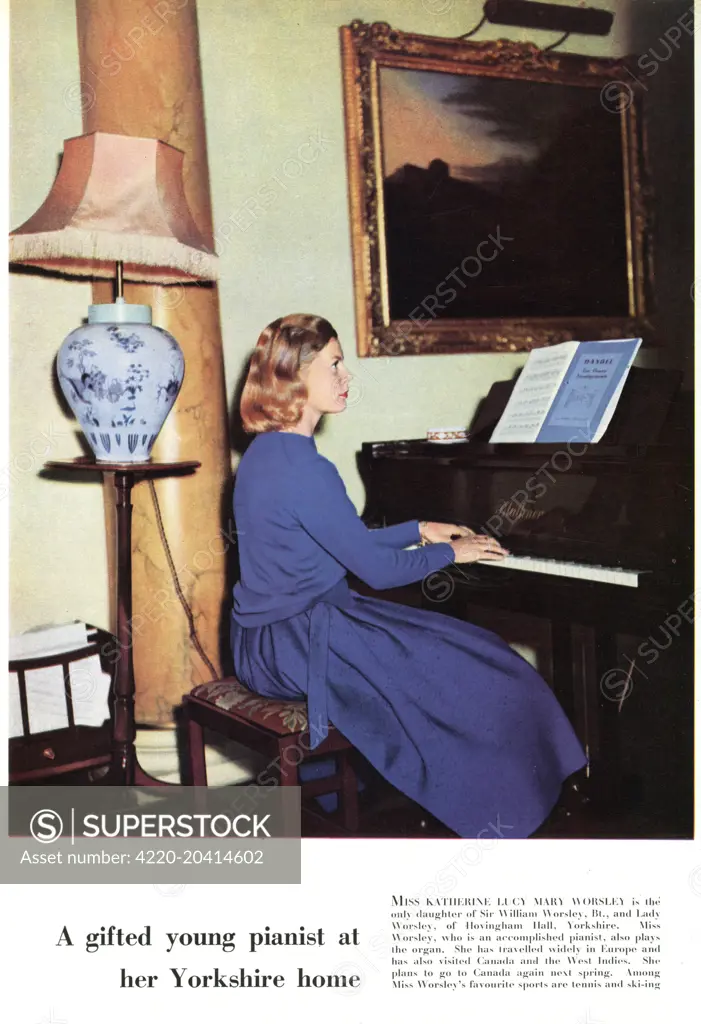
(479, 547)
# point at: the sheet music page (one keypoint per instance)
(49, 640)
(589, 393)
(14, 710)
(533, 394)
(46, 699)
(611, 408)
(90, 688)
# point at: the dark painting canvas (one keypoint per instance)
(502, 198)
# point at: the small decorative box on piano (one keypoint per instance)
(446, 435)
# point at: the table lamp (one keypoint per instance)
(118, 209)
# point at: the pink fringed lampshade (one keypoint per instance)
(117, 209)
(117, 198)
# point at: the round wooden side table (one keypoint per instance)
(124, 767)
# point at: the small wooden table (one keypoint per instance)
(124, 766)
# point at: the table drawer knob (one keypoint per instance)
(48, 752)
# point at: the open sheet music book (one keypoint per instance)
(568, 392)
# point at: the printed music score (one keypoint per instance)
(567, 392)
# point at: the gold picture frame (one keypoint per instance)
(582, 267)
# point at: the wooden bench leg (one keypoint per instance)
(349, 792)
(289, 776)
(196, 764)
(289, 763)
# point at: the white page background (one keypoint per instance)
(345, 884)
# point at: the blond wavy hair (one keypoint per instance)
(274, 394)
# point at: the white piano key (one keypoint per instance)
(569, 570)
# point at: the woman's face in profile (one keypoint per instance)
(327, 380)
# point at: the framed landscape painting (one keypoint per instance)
(498, 198)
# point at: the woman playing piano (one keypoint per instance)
(444, 710)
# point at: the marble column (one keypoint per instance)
(140, 75)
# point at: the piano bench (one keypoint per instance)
(275, 728)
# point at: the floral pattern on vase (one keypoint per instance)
(121, 381)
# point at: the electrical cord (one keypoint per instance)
(559, 42)
(176, 583)
(553, 46)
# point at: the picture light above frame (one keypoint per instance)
(499, 197)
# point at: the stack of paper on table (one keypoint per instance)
(46, 698)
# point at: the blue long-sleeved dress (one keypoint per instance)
(444, 710)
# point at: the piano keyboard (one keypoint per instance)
(571, 570)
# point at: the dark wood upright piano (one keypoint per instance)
(600, 540)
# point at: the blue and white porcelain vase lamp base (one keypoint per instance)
(121, 376)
